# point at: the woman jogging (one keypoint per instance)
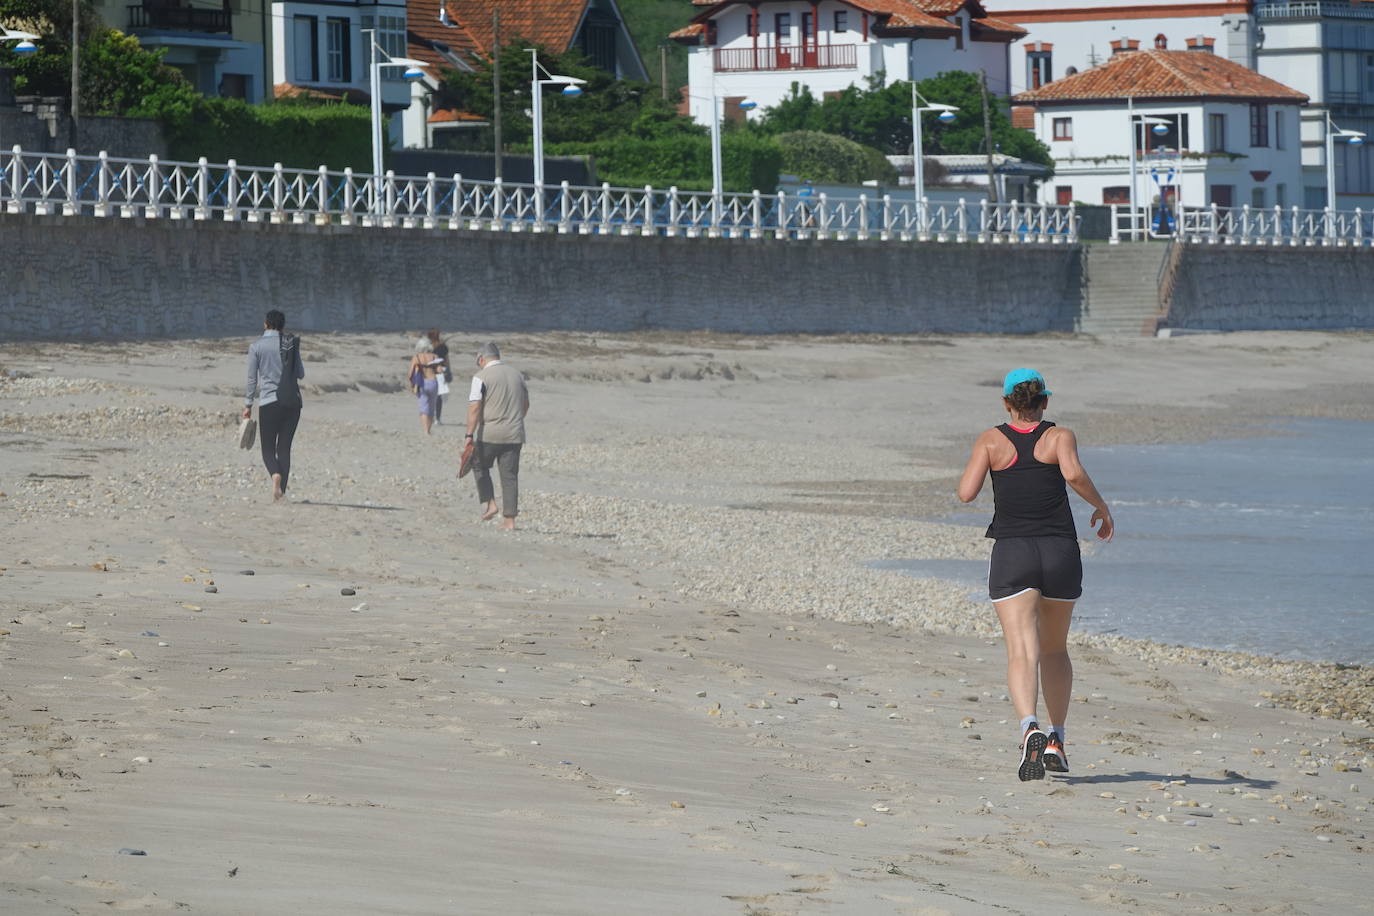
(1036, 573)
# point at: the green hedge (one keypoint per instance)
(297, 136)
(826, 158)
(748, 161)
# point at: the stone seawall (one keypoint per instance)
(88, 277)
(1227, 288)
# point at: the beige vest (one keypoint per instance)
(503, 405)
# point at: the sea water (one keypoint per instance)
(1262, 545)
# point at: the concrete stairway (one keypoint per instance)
(1120, 288)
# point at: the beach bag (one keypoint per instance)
(417, 378)
(443, 385)
(248, 431)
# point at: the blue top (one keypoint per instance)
(265, 370)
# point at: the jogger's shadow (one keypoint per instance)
(1232, 778)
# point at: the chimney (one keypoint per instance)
(1125, 44)
(1200, 43)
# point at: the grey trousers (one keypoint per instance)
(506, 457)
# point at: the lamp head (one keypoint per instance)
(1357, 140)
(946, 116)
(25, 48)
(572, 91)
(1159, 130)
(747, 104)
(413, 73)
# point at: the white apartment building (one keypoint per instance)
(757, 50)
(319, 48)
(1070, 36)
(1238, 132)
(217, 46)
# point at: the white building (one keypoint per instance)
(319, 49)
(1326, 50)
(217, 46)
(1069, 36)
(1238, 132)
(758, 49)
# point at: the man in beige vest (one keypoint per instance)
(497, 405)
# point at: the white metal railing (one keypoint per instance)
(1273, 226)
(106, 186)
(1311, 9)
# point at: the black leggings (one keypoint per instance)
(276, 428)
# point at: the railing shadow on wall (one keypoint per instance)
(105, 186)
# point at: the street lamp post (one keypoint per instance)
(918, 175)
(25, 47)
(414, 70)
(572, 87)
(717, 167)
(1353, 138)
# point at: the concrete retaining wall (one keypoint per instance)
(88, 277)
(1226, 288)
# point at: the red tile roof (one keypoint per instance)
(1023, 116)
(550, 23)
(1162, 75)
(454, 116)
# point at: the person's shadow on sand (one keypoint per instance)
(1231, 778)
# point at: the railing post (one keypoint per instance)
(674, 212)
(431, 200)
(605, 208)
(1244, 224)
(1042, 217)
(498, 204)
(202, 211)
(322, 197)
(72, 206)
(564, 207)
(863, 217)
(455, 210)
(961, 231)
(1212, 233)
(1294, 230)
(152, 186)
(231, 199)
(102, 205)
(886, 233)
(389, 213)
(349, 198)
(983, 221)
(278, 194)
(648, 227)
(1359, 227)
(823, 217)
(16, 201)
(782, 215)
(756, 216)
(1115, 238)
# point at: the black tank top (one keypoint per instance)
(1029, 497)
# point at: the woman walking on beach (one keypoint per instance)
(274, 370)
(423, 374)
(1036, 573)
(439, 347)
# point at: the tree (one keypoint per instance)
(120, 77)
(880, 117)
(48, 71)
(820, 157)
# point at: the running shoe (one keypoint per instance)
(1056, 761)
(1032, 753)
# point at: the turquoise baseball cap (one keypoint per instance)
(1017, 376)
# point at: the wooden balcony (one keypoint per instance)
(180, 18)
(788, 57)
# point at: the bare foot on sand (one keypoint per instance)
(491, 512)
(277, 493)
(508, 524)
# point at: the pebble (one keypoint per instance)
(623, 792)
(881, 809)
(860, 822)
(125, 653)
(191, 607)
(76, 626)
(212, 590)
(1106, 795)
(535, 743)
(834, 704)
(676, 804)
(143, 760)
(164, 644)
(148, 633)
(1190, 823)
(586, 702)
(247, 572)
(127, 851)
(4, 632)
(1323, 838)
(831, 668)
(701, 693)
(348, 591)
(263, 620)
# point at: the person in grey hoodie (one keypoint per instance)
(274, 370)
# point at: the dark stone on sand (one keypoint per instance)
(211, 589)
(247, 572)
(126, 851)
(347, 591)
(148, 633)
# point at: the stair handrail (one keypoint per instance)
(1166, 281)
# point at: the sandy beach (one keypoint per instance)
(680, 688)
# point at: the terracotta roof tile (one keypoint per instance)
(1023, 116)
(454, 116)
(690, 34)
(551, 23)
(1163, 75)
(998, 27)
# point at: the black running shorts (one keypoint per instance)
(1052, 566)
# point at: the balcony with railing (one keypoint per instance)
(180, 18)
(787, 57)
(1279, 10)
